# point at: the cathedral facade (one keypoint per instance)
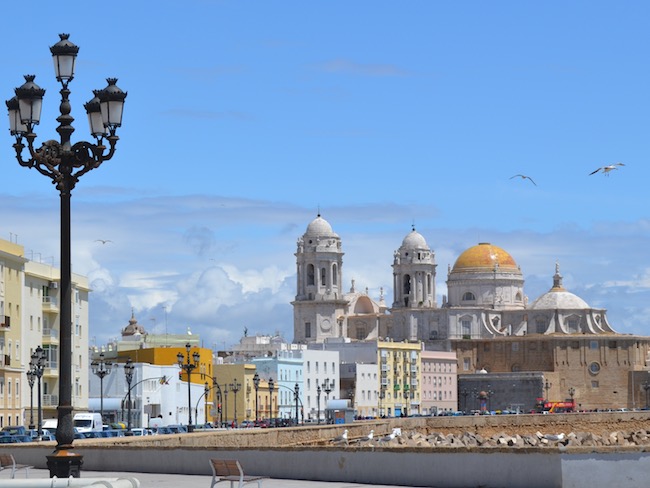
(485, 298)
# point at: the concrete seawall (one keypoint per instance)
(452, 468)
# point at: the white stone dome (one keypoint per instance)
(319, 227)
(559, 299)
(414, 240)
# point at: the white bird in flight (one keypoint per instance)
(524, 177)
(103, 241)
(607, 169)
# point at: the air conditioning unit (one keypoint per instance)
(53, 285)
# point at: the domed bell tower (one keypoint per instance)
(319, 298)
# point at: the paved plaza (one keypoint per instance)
(191, 481)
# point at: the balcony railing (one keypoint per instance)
(50, 400)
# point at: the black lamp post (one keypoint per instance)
(31, 376)
(296, 394)
(405, 394)
(225, 394)
(206, 390)
(129, 367)
(547, 386)
(256, 384)
(188, 366)
(101, 368)
(65, 163)
(318, 392)
(271, 388)
(572, 392)
(38, 365)
(382, 395)
(235, 387)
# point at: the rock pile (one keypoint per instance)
(416, 439)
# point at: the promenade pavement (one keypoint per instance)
(156, 480)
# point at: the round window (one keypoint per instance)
(594, 368)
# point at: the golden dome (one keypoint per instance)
(484, 257)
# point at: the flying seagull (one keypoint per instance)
(103, 241)
(607, 169)
(524, 177)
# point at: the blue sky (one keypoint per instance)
(243, 119)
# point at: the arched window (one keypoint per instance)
(335, 272)
(468, 296)
(310, 274)
(323, 279)
(407, 284)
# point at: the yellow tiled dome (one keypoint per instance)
(484, 257)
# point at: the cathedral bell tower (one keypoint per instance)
(319, 298)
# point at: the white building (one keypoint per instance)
(155, 391)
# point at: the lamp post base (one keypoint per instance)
(64, 463)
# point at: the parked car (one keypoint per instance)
(15, 430)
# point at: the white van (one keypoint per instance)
(50, 424)
(88, 422)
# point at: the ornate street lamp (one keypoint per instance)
(101, 368)
(547, 386)
(318, 392)
(65, 163)
(271, 388)
(31, 376)
(296, 394)
(225, 394)
(327, 388)
(256, 384)
(129, 367)
(37, 363)
(235, 387)
(572, 392)
(382, 395)
(188, 366)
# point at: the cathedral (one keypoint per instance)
(556, 346)
(485, 297)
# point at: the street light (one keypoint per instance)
(65, 163)
(31, 376)
(547, 386)
(37, 365)
(256, 384)
(572, 392)
(129, 367)
(296, 392)
(382, 395)
(318, 392)
(235, 387)
(327, 388)
(101, 368)
(225, 394)
(187, 365)
(271, 388)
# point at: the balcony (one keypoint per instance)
(50, 304)
(5, 360)
(5, 323)
(50, 400)
(385, 367)
(50, 336)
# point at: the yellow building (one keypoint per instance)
(12, 262)
(237, 386)
(399, 389)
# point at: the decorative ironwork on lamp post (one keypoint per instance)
(101, 368)
(188, 366)
(37, 365)
(129, 368)
(256, 384)
(646, 387)
(64, 163)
